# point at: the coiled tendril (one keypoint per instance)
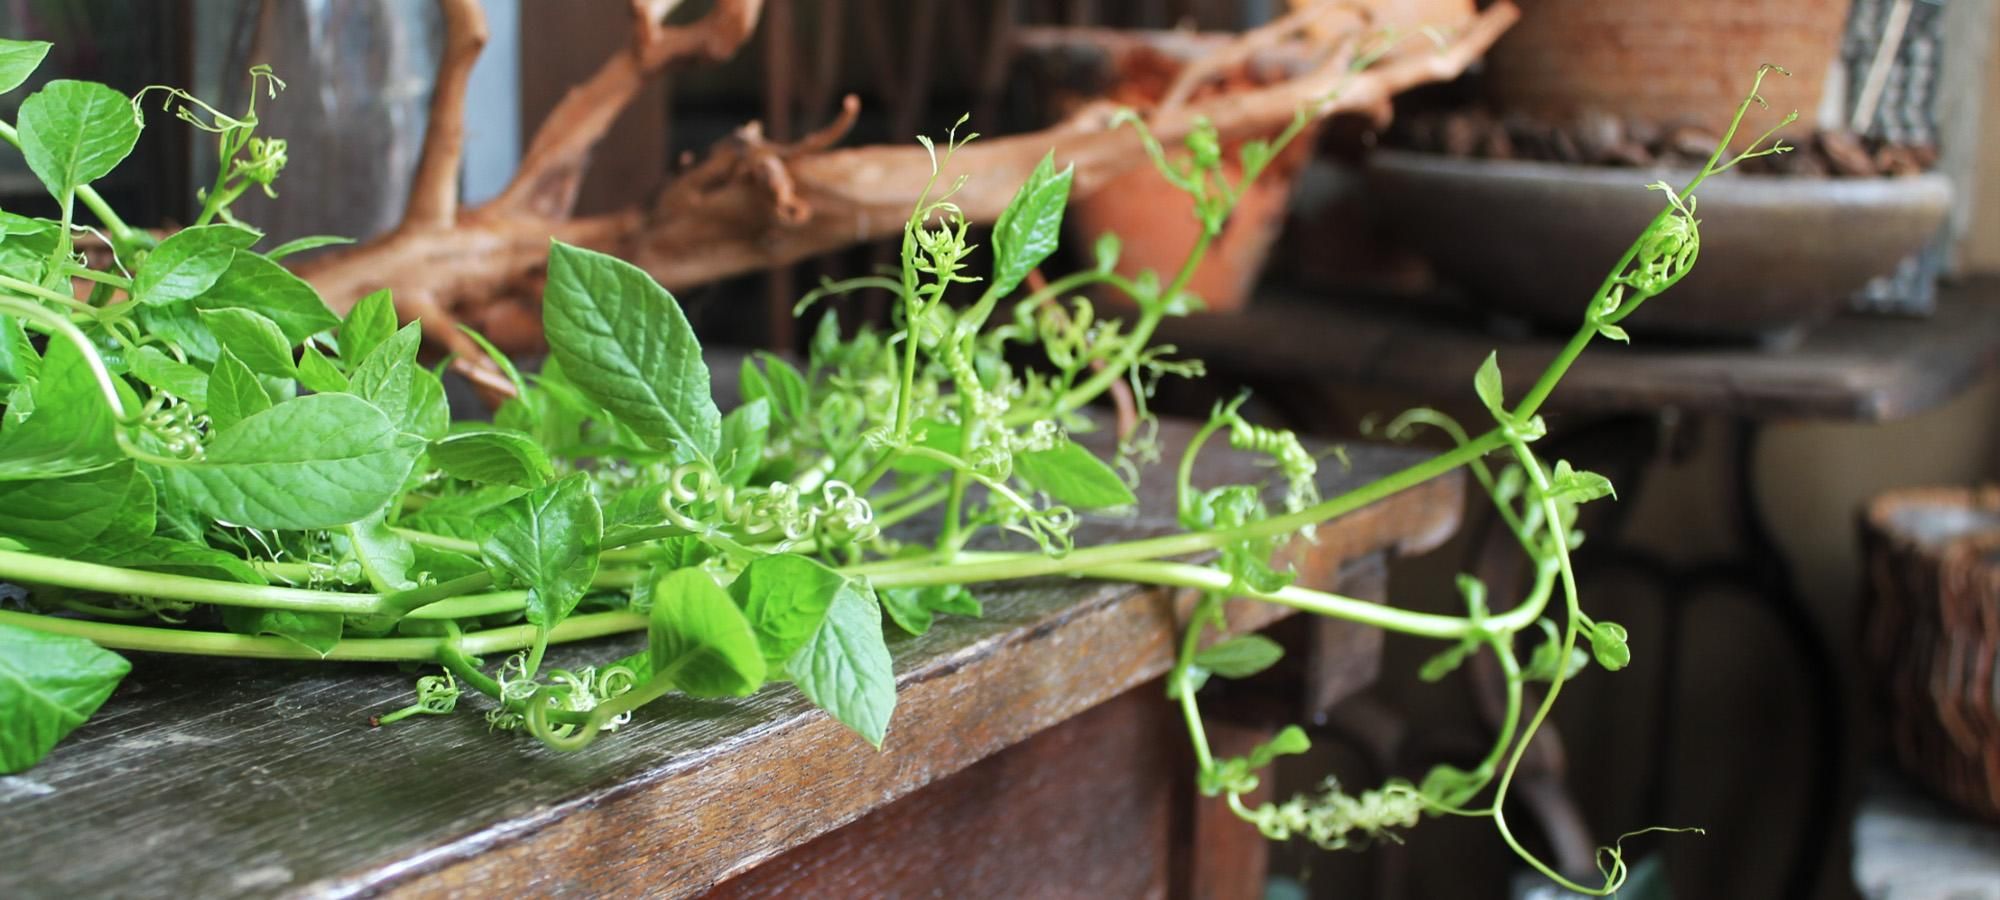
(437, 695)
(527, 702)
(832, 511)
(1298, 466)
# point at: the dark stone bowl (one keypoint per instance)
(1533, 240)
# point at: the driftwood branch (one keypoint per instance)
(751, 203)
(697, 234)
(434, 189)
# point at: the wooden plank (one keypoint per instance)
(1084, 809)
(225, 778)
(1104, 804)
(1858, 368)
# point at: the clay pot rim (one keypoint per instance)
(1884, 510)
(1935, 186)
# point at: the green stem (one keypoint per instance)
(1552, 521)
(212, 643)
(59, 325)
(438, 541)
(121, 233)
(407, 601)
(1539, 394)
(1322, 603)
(949, 540)
(117, 281)
(35, 569)
(35, 290)
(1204, 610)
(1002, 567)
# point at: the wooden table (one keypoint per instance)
(1032, 753)
(1611, 414)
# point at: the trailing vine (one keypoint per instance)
(215, 463)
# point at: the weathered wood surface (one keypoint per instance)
(1861, 368)
(220, 778)
(1098, 806)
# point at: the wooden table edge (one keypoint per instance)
(953, 711)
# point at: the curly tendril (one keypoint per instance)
(437, 695)
(1298, 465)
(833, 510)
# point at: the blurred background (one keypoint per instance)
(1799, 549)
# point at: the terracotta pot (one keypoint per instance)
(1155, 221)
(1931, 636)
(1686, 61)
(1157, 225)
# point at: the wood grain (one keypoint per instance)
(223, 778)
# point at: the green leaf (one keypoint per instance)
(1614, 333)
(26, 246)
(844, 667)
(493, 457)
(369, 323)
(935, 434)
(1567, 485)
(1240, 657)
(785, 597)
(386, 558)
(153, 366)
(743, 434)
(315, 631)
(159, 554)
(1451, 786)
(409, 394)
(913, 608)
(302, 244)
(699, 640)
(75, 132)
(19, 363)
(18, 60)
(1488, 386)
(1446, 662)
(64, 516)
(791, 396)
(1026, 232)
(1074, 476)
(1607, 643)
(71, 428)
(623, 341)
(1546, 663)
(1106, 252)
(316, 462)
(188, 263)
(467, 515)
(549, 541)
(234, 393)
(49, 684)
(255, 340)
(319, 374)
(257, 284)
(1290, 741)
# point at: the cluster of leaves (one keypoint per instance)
(202, 447)
(202, 457)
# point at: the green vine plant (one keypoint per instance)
(200, 457)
